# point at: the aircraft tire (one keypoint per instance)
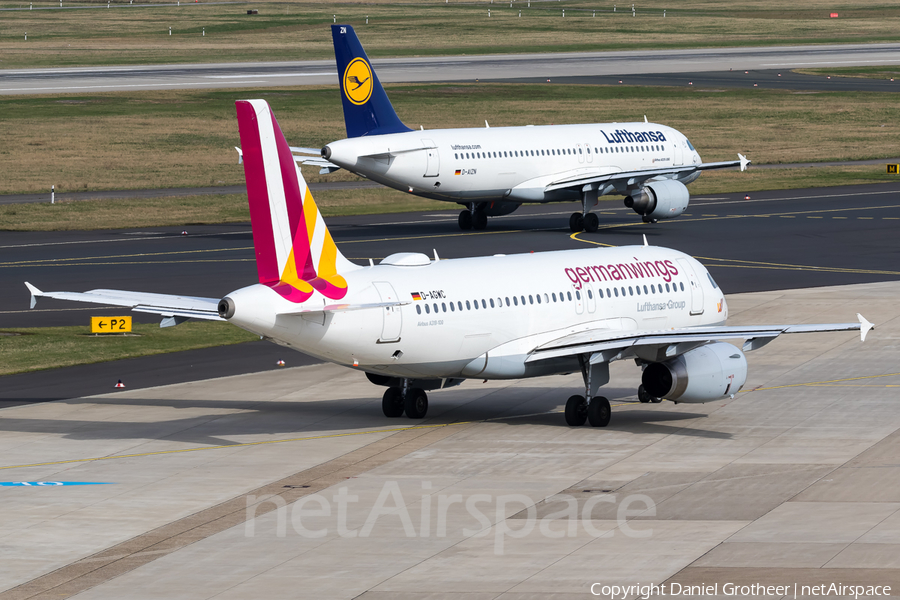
(392, 403)
(576, 223)
(465, 220)
(591, 223)
(576, 411)
(598, 412)
(416, 403)
(479, 220)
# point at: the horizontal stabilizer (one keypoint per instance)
(344, 307)
(160, 304)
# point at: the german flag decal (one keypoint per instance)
(416, 296)
(458, 172)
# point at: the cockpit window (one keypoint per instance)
(690, 145)
(712, 281)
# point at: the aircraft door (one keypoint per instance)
(696, 289)
(433, 166)
(679, 153)
(579, 301)
(590, 154)
(393, 320)
(579, 149)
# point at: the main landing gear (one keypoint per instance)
(586, 220)
(410, 400)
(473, 218)
(594, 409)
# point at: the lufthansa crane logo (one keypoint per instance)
(358, 81)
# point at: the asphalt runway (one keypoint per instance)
(454, 68)
(774, 241)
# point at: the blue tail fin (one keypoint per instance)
(367, 110)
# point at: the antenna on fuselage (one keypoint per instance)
(645, 119)
(645, 241)
(486, 126)
(436, 257)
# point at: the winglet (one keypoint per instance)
(864, 327)
(744, 161)
(34, 294)
(240, 155)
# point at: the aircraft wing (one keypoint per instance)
(605, 345)
(175, 309)
(632, 178)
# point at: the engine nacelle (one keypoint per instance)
(660, 200)
(710, 372)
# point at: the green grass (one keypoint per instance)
(299, 30)
(50, 347)
(185, 138)
(889, 72)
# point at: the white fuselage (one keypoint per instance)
(480, 317)
(512, 164)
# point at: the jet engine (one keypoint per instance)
(659, 200)
(710, 372)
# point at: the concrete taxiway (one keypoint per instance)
(293, 485)
(445, 68)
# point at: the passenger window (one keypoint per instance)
(483, 303)
(546, 299)
(652, 288)
(630, 291)
(418, 309)
(459, 304)
(523, 300)
(492, 303)
(616, 290)
(623, 291)
(590, 294)
(667, 287)
(637, 289)
(645, 289)
(530, 299)
(682, 286)
(600, 293)
(435, 308)
(578, 294)
(579, 151)
(608, 293)
(475, 302)
(452, 308)
(569, 294)
(456, 156)
(515, 301)
(468, 306)
(427, 310)
(539, 298)
(507, 300)
(444, 306)
(554, 296)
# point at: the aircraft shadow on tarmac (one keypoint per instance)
(301, 419)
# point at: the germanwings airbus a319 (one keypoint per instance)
(414, 324)
(493, 170)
